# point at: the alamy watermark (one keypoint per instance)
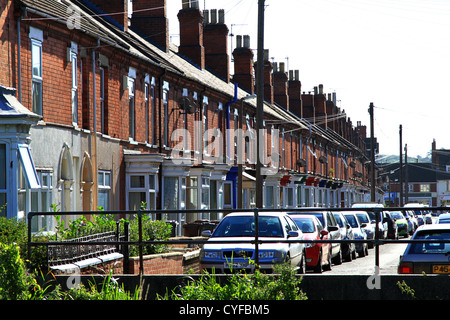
(74, 19)
(234, 147)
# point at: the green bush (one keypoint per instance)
(152, 230)
(283, 285)
(14, 279)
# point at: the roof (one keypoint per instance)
(416, 172)
(10, 107)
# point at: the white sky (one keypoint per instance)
(394, 53)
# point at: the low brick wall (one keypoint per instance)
(164, 263)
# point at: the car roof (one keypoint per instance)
(308, 216)
(444, 216)
(262, 213)
(367, 205)
(436, 226)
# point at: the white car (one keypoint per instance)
(382, 222)
(240, 226)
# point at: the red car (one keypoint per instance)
(318, 255)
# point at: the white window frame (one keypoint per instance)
(74, 90)
(166, 88)
(104, 187)
(36, 79)
(43, 223)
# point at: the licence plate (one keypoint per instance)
(237, 265)
(441, 269)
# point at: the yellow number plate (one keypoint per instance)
(441, 269)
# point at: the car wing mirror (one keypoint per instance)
(324, 233)
(292, 234)
(206, 233)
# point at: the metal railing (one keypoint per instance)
(256, 241)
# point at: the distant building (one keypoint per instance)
(427, 183)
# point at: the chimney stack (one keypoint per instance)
(308, 110)
(294, 92)
(268, 81)
(120, 12)
(243, 64)
(280, 86)
(319, 106)
(191, 33)
(215, 42)
(150, 21)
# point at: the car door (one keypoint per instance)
(334, 234)
(295, 249)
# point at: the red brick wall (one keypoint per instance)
(169, 263)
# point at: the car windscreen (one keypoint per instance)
(339, 220)
(352, 220)
(397, 215)
(305, 224)
(444, 220)
(319, 216)
(430, 247)
(362, 218)
(244, 226)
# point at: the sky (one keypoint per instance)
(392, 53)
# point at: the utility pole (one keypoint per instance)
(406, 174)
(372, 155)
(401, 169)
(259, 105)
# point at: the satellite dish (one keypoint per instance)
(188, 106)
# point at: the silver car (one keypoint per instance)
(428, 257)
(240, 226)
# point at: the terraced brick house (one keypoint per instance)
(98, 108)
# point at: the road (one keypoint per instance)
(389, 257)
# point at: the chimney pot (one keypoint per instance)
(238, 41)
(222, 16)
(206, 17)
(213, 16)
(246, 41)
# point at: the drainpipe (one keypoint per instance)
(159, 203)
(19, 63)
(228, 117)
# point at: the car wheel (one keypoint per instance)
(302, 266)
(318, 267)
(354, 254)
(366, 248)
(348, 258)
(338, 258)
(327, 267)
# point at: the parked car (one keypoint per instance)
(318, 255)
(368, 227)
(392, 226)
(428, 257)
(359, 234)
(382, 219)
(443, 218)
(240, 226)
(401, 222)
(348, 248)
(330, 224)
(420, 216)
